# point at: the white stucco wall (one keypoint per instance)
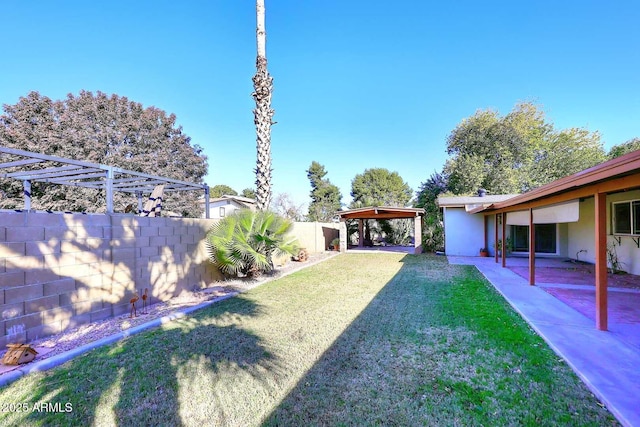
(463, 232)
(582, 234)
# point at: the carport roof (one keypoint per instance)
(380, 212)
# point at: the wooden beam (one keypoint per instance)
(601, 261)
(360, 233)
(613, 185)
(504, 239)
(495, 242)
(20, 163)
(532, 249)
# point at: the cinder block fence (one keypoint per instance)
(61, 270)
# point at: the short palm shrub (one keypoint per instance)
(244, 243)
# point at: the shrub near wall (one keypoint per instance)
(61, 270)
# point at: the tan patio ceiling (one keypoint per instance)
(380, 212)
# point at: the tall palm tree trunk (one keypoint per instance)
(263, 113)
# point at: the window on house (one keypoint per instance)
(626, 217)
(221, 212)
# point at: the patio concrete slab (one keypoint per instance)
(608, 363)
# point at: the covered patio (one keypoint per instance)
(378, 213)
(611, 179)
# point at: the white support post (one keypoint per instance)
(109, 189)
(140, 206)
(27, 194)
(417, 234)
(207, 214)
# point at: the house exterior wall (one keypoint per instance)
(582, 234)
(627, 250)
(230, 206)
(58, 271)
(463, 232)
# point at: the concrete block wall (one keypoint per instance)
(315, 236)
(59, 270)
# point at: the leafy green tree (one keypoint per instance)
(221, 190)
(624, 148)
(245, 242)
(380, 187)
(249, 193)
(496, 149)
(325, 197)
(432, 229)
(100, 128)
(515, 153)
(564, 153)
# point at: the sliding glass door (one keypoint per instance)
(546, 238)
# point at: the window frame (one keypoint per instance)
(633, 221)
(222, 212)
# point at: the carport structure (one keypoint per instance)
(381, 212)
(29, 167)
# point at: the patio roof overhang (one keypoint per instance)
(619, 174)
(614, 176)
(380, 212)
(28, 167)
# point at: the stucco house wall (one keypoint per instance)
(627, 250)
(582, 234)
(464, 233)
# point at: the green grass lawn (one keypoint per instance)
(360, 339)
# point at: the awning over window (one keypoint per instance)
(565, 212)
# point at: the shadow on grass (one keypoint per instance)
(438, 346)
(150, 378)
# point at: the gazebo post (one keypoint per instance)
(360, 231)
(139, 195)
(26, 184)
(343, 235)
(207, 214)
(417, 234)
(109, 190)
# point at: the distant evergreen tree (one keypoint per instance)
(325, 197)
(221, 190)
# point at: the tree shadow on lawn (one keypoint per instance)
(409, 358)
(169, 376)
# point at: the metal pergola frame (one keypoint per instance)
(78, 173)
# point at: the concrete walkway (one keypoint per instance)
(609, 365)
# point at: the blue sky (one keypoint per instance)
(358, 84)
